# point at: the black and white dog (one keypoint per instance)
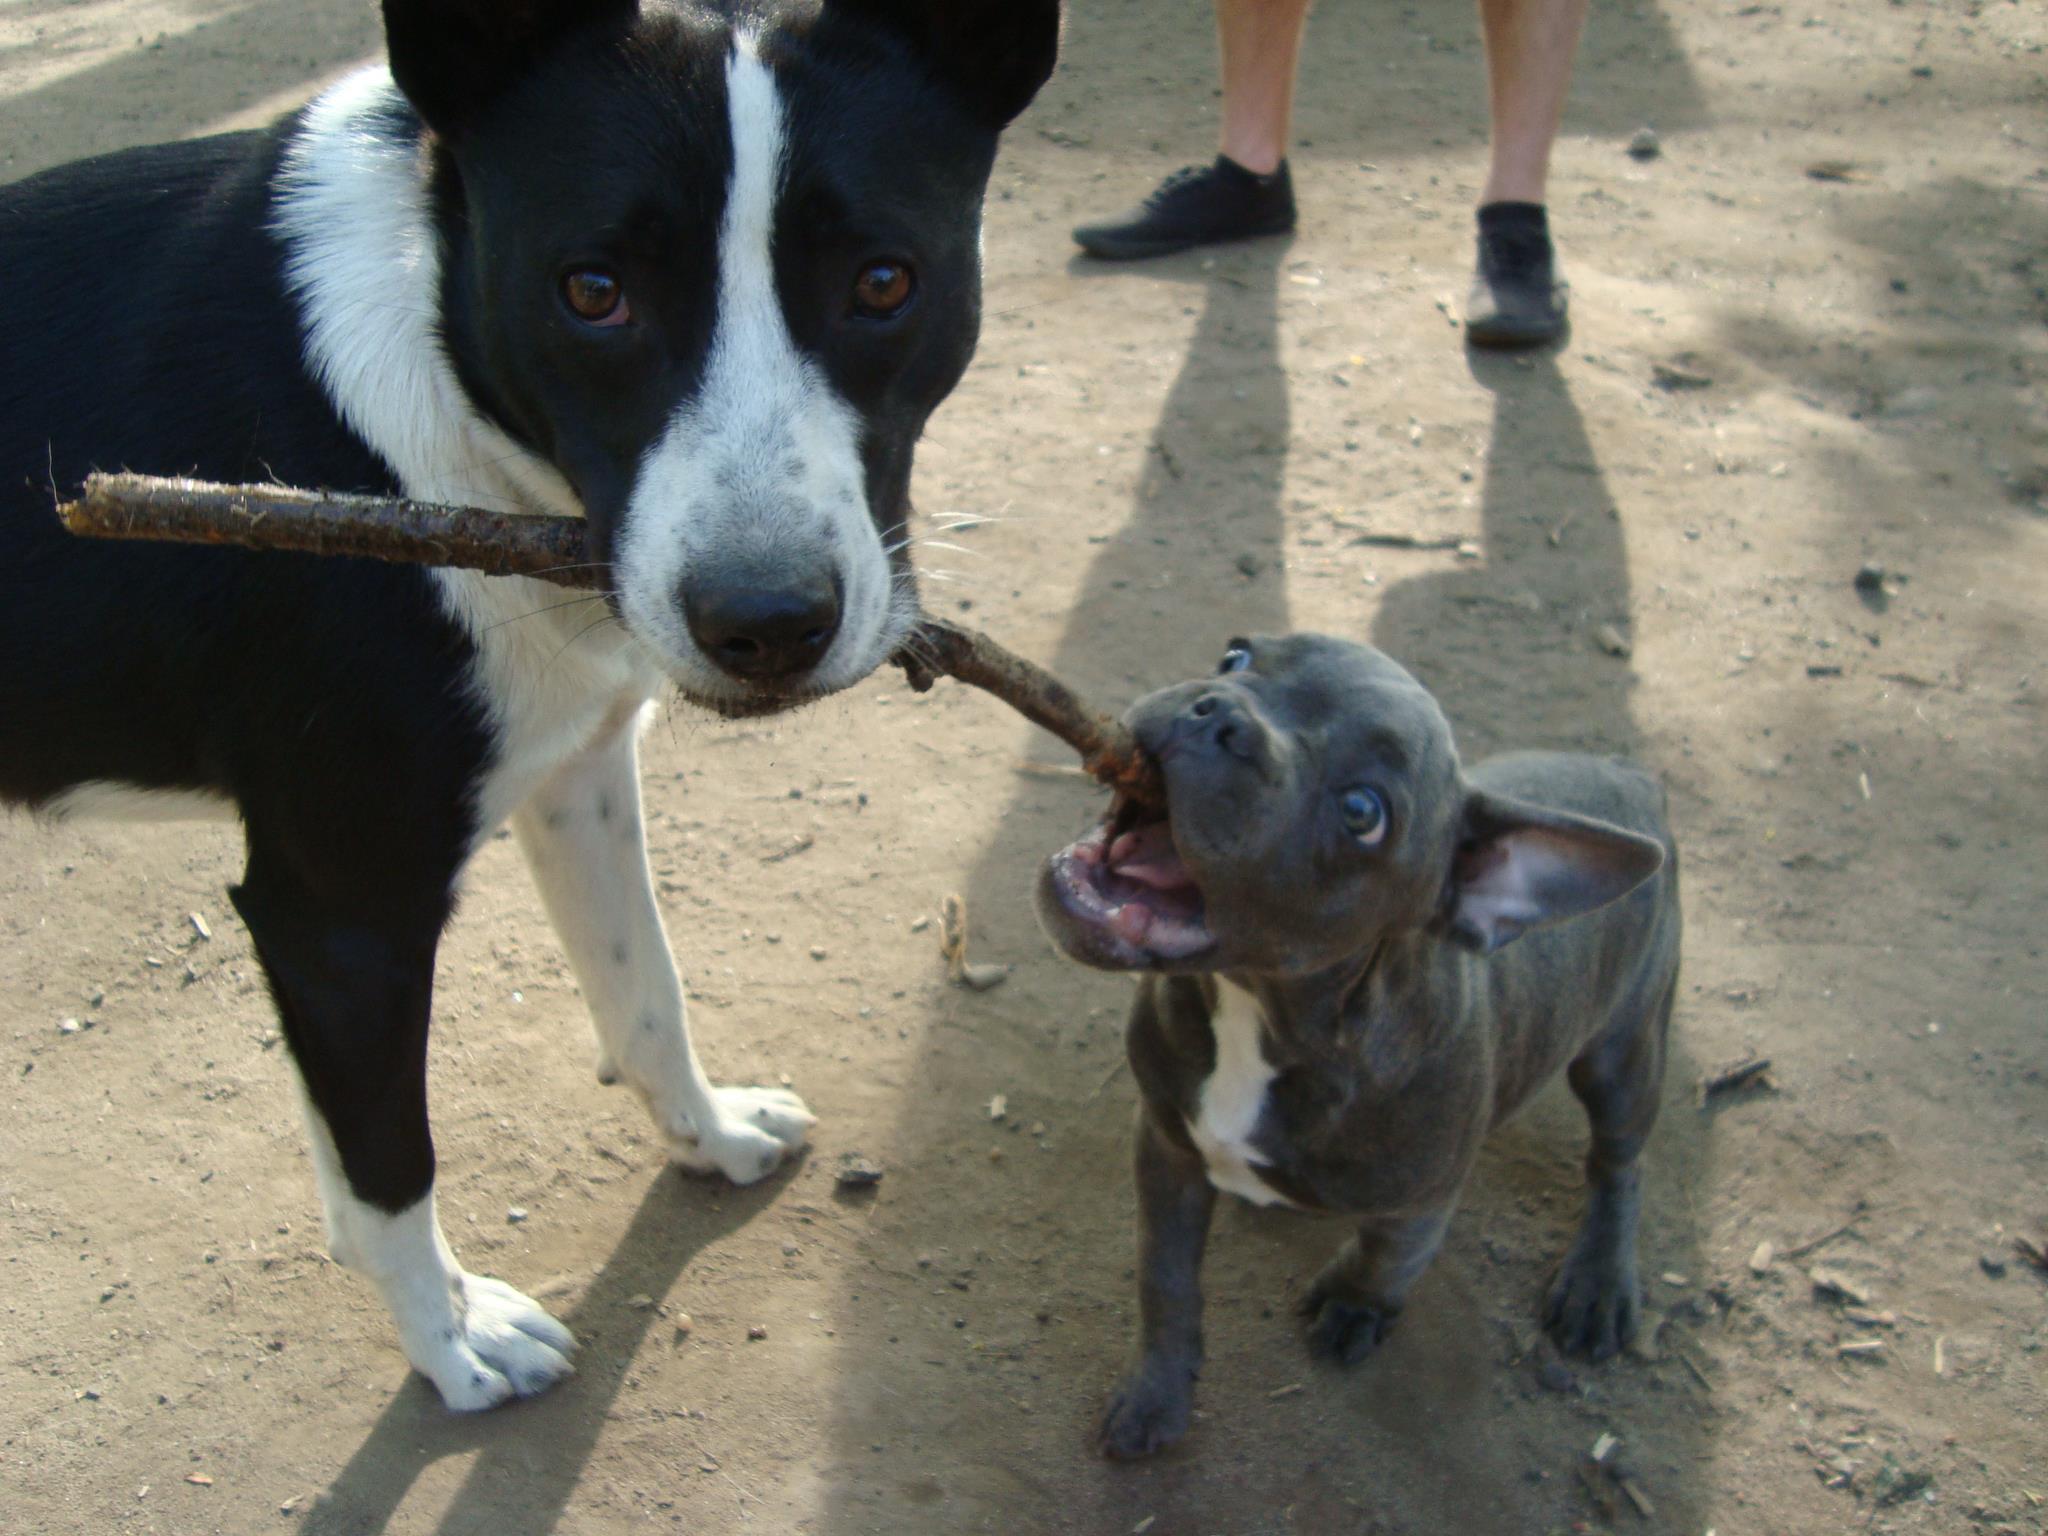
(697, 275)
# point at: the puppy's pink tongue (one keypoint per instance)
(1131, 922)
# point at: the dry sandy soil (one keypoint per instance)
(1843, 250)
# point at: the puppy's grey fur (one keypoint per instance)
(1333, 1017)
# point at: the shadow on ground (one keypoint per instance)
(527, 1460)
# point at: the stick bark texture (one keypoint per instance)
(275, 517)
(270, 517)
(1108, 749)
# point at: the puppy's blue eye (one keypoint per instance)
(1237, 658)
(1365, 815)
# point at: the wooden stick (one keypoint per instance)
(1108, 749)
(276, 517)
(553, 549)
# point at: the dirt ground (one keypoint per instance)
(1843, 254)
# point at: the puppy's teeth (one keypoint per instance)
(1131, 922)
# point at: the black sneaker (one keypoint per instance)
(1200, 205)
(1517, 298)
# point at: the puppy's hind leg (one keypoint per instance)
(584, 840)
(1595, 1303)
(353, 980)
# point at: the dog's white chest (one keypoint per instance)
(1233, 1099)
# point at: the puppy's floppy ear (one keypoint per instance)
(452, 58)
(1521, 866)
(993, 54)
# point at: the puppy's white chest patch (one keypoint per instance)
(1233, 1099)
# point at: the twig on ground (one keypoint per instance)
(1734, 1075)
(1825, 1238)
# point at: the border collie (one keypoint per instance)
(698, 274)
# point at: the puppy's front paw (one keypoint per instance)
(1345, 1332)
(1595, 1304)
(1344, 1324)
(754, 1129)
(1147, 1412)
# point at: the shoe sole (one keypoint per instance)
(1532, 333)
(1112, 249)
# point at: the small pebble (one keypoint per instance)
(817, 951)
(1556, 1376)
(856, 1172)
(1613, 641)
(1992, 1264)
(1870, 578)
(757, 1331)
(641, 1302)
(1644, 144)
(1250, 564)
(516, 1214)
(684, 1324)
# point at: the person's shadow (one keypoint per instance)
(530, 1456)
(1511, 643)
(1520, 647)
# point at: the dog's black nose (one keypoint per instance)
(764, 635)
(1218, 717)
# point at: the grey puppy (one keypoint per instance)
(1331, 1020)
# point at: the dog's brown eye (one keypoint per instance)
(595, 297)
(883, 290)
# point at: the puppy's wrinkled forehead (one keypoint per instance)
(1352, 701)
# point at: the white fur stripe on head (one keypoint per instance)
(762, 467)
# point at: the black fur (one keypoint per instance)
(340, 707)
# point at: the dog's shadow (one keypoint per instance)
(530, 1456)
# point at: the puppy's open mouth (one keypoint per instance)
(1127, 882)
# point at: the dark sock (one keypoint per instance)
(1505, 218)
(1231, 168)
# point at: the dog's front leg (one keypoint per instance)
(583, 837)
(1359, 1295)
(353, 978)
(1150, 1407)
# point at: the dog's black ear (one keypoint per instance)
(452, 58)
(993, 54)
(1520, 866)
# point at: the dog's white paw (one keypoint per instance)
(755, 1129)
(501, 1345)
